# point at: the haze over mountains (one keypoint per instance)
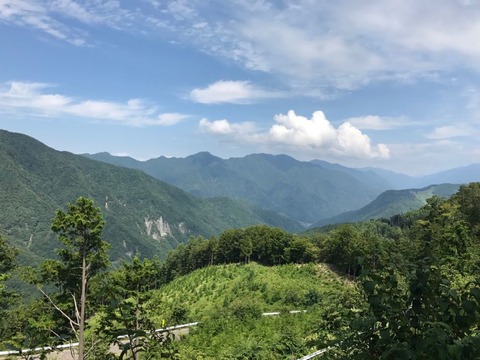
(392, 202)
(303, 191)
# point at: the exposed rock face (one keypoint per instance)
(157, 228)
(182, 227)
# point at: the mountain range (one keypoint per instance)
(308, 192)
(303, 191)
(143, 215)
(153, 206)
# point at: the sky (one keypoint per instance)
(393, 84)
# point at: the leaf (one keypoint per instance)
(369, 286)
(469, 306)
(476, 293)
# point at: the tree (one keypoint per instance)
(7, 257)
(427, 314)
(126, 315)
(468, 199)
(30, 326)
(246, 248)
(83, 255)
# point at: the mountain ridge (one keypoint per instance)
(301, 190)
(143, 214)
(392, 202)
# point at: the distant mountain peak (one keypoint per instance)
(203, 158)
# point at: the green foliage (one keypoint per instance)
(127, 290)
(228, 301)
(423, 311)
(260, 243)
(79, 231)
(83, 256)
(7, 263)
(468, 200)
(7, 258)
(30, 326)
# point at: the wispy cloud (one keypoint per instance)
(343, 44)
(52, 17)
(316, 136)
(33, 99)
(36, 15)
(375, 122)
(335, 45)
(452, 131)
(237, 92)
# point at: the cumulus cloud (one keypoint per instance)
(316, 136)
(237, 92)
(33, 99)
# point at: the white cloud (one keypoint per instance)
(168, 119)
(223, 127)
(50, 16)
(32, 99)
(35, 14)
(432, 156)
(374, 122)
(451, 131)
(341, 44)
(316, 136)
(237, 92)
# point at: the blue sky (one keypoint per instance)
(391, 84)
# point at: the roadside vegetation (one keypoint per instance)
(407, 287)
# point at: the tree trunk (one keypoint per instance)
(81, 327)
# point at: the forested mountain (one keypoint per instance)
(303, 191)
(392, 202)
(143, 214)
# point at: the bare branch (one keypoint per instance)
(72, 322)
(77, 312)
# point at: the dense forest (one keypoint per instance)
(406, 287)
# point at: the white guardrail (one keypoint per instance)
(315, 354)
(67, 346)
(170, 328)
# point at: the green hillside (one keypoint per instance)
(392, 202)
(303, 191)
(143, 214)
(228, 301)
